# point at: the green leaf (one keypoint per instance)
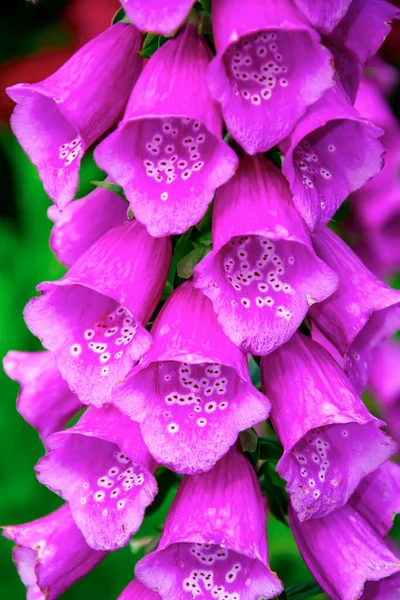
(248, 440)
(111, 187)
(254, 371)
(275, 156)
(187, 264)
(119, 17)
(273, 487)
(152, 42)
(303, 591)
(270, 448)
(166, 480)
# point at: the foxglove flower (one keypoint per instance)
(167, 153)
(82, 222)
(51, 554)
(262, 274)
(323, 15)
(191, 393)
(361, 314)
(270, 66)
(157, 16)
(377, 498)
(331, 152)
(102, 468)
(135, 590)
(92, 319)
(214, 544)
(346, 556)
(45, 400)
(330, 439)
(351, 46)
(384, 383)
(57, 119)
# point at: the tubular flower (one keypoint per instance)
(102, 468)
(45, 400)
(270, 66)
(330, 439)
(135, 590)
(350, 45)
(191, 393)
(356, 562)
(92, 319)
(384, 383)
(157, 16)
(57, 119)
(361, 314)
(167, 153)
(263, 273)
(323, 15)
(51, 554)
(214, 545)
(82, 222)
(331, 152)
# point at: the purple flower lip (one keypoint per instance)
(267, 56)
(191, 393)
(212, 541)
(103, 469)
(331, 152)
(167, 152)
(51, 554)
(325, 15)
(56, 120)
(330, 440)
(157, 16)
(262, 274)
(92, 319)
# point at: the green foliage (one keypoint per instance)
(111, 187)
(151, 44)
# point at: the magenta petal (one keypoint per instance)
(157, 16)
(192, 394)
(57, 119)
(384, 589)
(213, 542)
(361, 314)
(93, 318)
(167, 153)
(377, 498)
(331, 152)
(45, 400)
(384, 383)
(51, 554)
(262, 275)
(102, 468)
(344, 553)
(82, 222)
(323, 15)
(330, 440)
(269, 67)
(136, 590)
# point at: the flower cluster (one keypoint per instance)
(148, 336)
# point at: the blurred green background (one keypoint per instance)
(35, 39)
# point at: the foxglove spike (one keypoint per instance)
(57, 119)
(214, 544)
(191, 393)
(167, 153)
(82, 222)
(377, 498)
(331, 152)
(93, 318)
(384, 383)
(330, 439)
(270, 66)
(135, 590)
(45, 400)
(361, 314)
(102, 468)
(262, 275)
(51, 554)
(345, 555)
(157, 16)
(323, 15)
